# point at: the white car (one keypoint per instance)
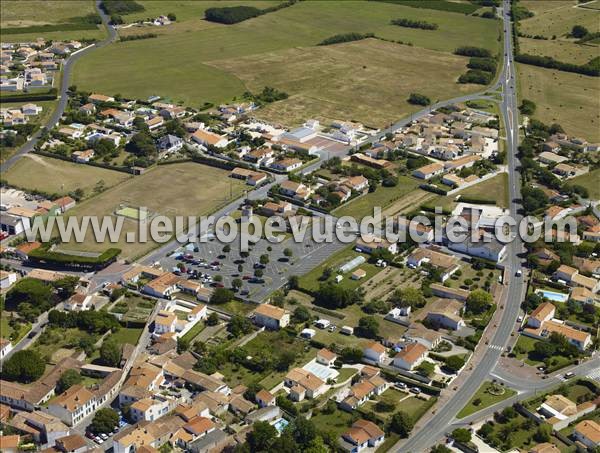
(415, 390)
(519, 273)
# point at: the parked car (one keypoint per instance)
(400, 385)
(415, 390)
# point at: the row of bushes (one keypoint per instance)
(433, 189)
(49, 95)
(43, 254)
(137, 37)
(409, 23)
(345, 37)
(591, 68)
(477, 200)
(120, 168)
(418, 99)
(476, 76)
(121, 7)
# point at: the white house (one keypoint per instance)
(326, 357)
(5, 347)
(271, 317)
(72, 406)
(7, 279)
(361, 436)
(165, 322)
(149, 409)
(375, 352)
(411, 356)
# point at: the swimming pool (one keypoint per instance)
(555, 297)
(280, 424)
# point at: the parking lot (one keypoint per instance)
(210, 261)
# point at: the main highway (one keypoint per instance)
(445, 416)
(63, 95)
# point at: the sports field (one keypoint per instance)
(55, 176)
(183, 189)
(181, 63)
(563, 97)
(367, 81)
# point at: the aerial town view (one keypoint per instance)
(300, 226)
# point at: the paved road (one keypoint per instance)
(63, 96)
(440, 422)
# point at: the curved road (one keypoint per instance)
(445, 416)
(63, 96)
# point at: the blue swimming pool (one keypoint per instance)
(280, 424)
(551, 295)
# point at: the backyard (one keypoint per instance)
(133, 308)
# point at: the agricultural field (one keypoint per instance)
(566, 51)
(557, 17)
(563, 97)
(35, 13)
(55, 176)
(154, 65)
(200, 190)
(589, 181)
(377, 76)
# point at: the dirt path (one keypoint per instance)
(40, 161)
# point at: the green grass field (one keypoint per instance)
(495, 188)
(133, 308)
(49, 175)
(561, 97)
(563, 50)
(13, 334)
(182, 62)
(127, 335)
(590, 181)
(485, 398)
(200, 190)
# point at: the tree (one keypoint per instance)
(24, 366)
(462, 435)
(221, 296)
(288, 252)
(239, 325)
(418, 99)
(213, 319)
(31, 291)
(368, 327)
(183, 345)
(104, 421)
(142, 145)
(304, 431)
(236, 283)
(454, 363)
(258, 273)
(261, 437)
(110, 353)
(408, 297)
(478, 301)
(334, 296)
(543, 433)
(68, 379)
(351, 355)
(301, 314)
(264, 259)
(440, 449)
(425, 369)
(293, 282)
(172, 17)
(226, 248)
(579, 31)
(401, 423)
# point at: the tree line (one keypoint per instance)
(410, 23)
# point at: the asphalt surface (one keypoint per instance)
(439, 424)
(63, 95)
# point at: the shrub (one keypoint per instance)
(345, 37)
(409, 23)
(418, 99)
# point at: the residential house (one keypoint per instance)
(588, 433)
(577, 338)
(10, 443)
(446, 313)
(83, 157)
(72, 406)
(150, 409)
(73, 443)
(287, 164)
(100, 98)
(295, 190)
(264, 398)
(428, 171)
(5, 347)
(411, 356)
(163, 286)
(78, 302)
(169, 144)
(543, 312)
(573, 278)
(326, 357)
(303, 383)
(263, 156)
(447, 264)
(165, 322)
(548, 157)
(42, 427)
(271, 317)
(361, 436)
(194, 429)
(368, 243)
(206, 138)
(251, 177)
(7, 279)
(357, 183)
(375, 352)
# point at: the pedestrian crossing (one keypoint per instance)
(495, 347)
(594, 374)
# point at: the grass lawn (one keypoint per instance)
(154, 65)
(517, 433)
(378, 76)
(200, 190)
(268, 344)
(495, 188)
(127, 335)
(524, 350)
(337, 422)
(589, 181)
(235, 307)
(391, 396)
(487, 399)
(311, 280)
(55, 176)
(345, 374)
(568, 99)
(382, 197)
(194, 331)
(14, 335)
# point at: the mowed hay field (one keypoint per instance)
(56, 176)
(562, 50)
(180, 63)
(557, 17)
(184, 189)
(367, 81)
(562, 97)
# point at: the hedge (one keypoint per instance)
(591, 68)
(92, 163)
(345, 37)
(29, 97)
(433, 189)
(477, 200)
(43, 254)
